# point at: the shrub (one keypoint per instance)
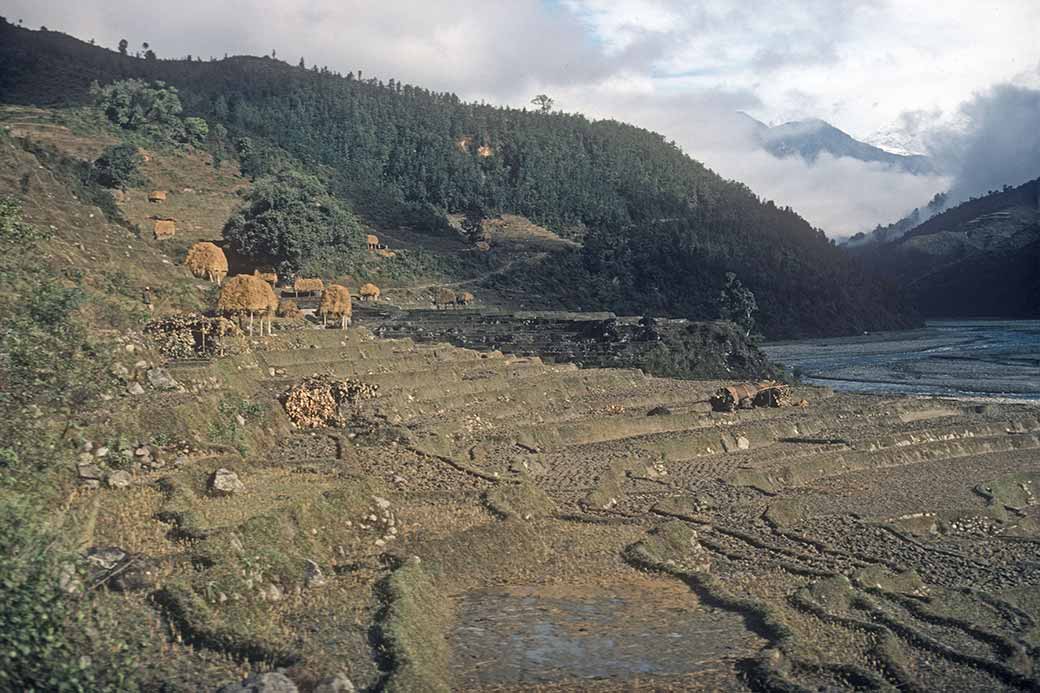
(117, 167)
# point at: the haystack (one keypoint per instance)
(335, 301)
(308, 286)
(369, 292)
(288, 309)
(206, 260)
(445, 297)
(157, 196)
(373, 241)
(464, 299)
(748, 395)
(164, 228)
(245, 294)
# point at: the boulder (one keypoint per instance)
(119, 479)
(312, 575)
(270, 682)
(659, 411)
(161, 379)
(135, 388)
(105, 557)
(225, 482)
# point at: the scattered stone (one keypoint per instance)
(105, 557)
(272, 593)
(142, 574)
(101, 452)
(120, 371)
(180, 461)
(313, 577)
(381, 502)
(225, 482)
(89, 471)
(119, 479)
(659, 411)
(88, 446)
(160, 378)
(240, 419)
(85, 458)
(743, 443)
(339, 683)
(141, 365)
(135, 388)
(270, 682)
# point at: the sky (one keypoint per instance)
(929, 76)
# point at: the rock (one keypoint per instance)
(381, 502)
(89, 471)
(135, 388)
(161, 379)
(119, 479)
(339, 683)
(743, 443)
(130, 348)
(659, 411)
(181, 460)
(142, 574)
(105, 557)
(101, 452)
(225, 482)
(85, 458)
(141, 365)
(272, 593)
(142, 452)
(312, 576)
(270, 682)
(88, 446)
(240, 419)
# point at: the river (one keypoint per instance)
(992, 359)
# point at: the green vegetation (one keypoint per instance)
(289, 218)
(662, 229)
(737, 304)
(117, 166)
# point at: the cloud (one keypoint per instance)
(995, 141)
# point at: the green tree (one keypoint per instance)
(123, 43)
(290, 217)
(737, 303)
(117, 167)
(135, 104)
(197, 131)
(544, 103)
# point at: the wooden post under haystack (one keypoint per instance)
(247, 294)
(335, 301)
(207, 261)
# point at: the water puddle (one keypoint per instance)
(539, 634)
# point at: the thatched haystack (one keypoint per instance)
(335, 302)
(749, 395)
(267, 275)
(158, 196)
(320, 401)
(244, 294)
(207, 261)
(307, 286)
(483, 246)
(464, 298)
(445, 297)
(373, 241)
(369, 292)
(164, 228)
(383, 252)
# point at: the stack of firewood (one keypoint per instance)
(321, 401)
(749, 395)
(189, 335)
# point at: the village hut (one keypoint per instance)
(207, 261)
(373, 241)
(164, 228)
(369, 292)
(335, 302)
(244, 294)
(158, 196)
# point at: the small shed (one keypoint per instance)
(164, 228)
(158, 196)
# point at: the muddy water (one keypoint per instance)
(970, 358)
(541, 634)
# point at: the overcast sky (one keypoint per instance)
(901, 67)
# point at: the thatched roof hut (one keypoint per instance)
(206, 260)
(335, 301)
(157, 196)
(308, 286)
(369, 292)
(244, 294)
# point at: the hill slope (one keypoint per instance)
(978, 259)
(659, 229)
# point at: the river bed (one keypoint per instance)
(969, 359)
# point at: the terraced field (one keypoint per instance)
(494, 522)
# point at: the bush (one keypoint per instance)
(117, 167)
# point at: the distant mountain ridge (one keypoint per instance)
(809, 139)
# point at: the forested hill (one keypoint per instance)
(659, 230)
